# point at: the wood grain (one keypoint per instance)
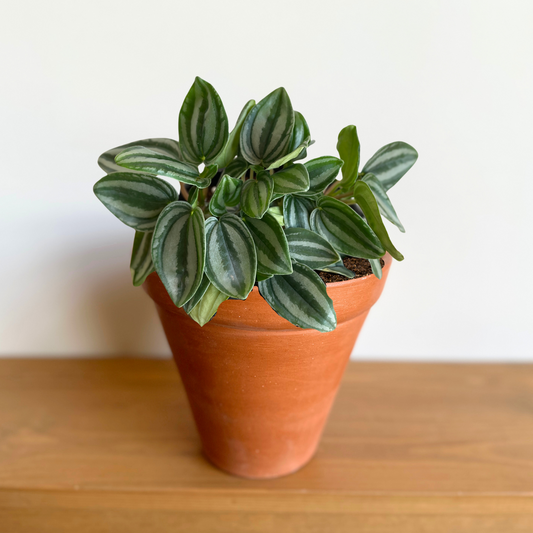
(109, 445)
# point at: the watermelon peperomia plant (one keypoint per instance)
(253, 212)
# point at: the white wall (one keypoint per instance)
(452, 78)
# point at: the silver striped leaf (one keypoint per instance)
(365, 200)
(385, 206)
(208, 305)
(200, 291)
(232, 145)
(178, 250)
(227, 194)
(390, 163)
(291, 179)
(145, 160)
(237, 168)
(263, 277)
(339, 268)
(271, 245)
(322, 172)
(344, 229)
(167, 147)
(301, 298)
(209, 225)
(300, 133)
(202, 123)
(376, 267)
(141, 265)
(135, 199)
(309, 248)
(256, 195)
(349, 150)
(291, 155)
(297, 210)
(267, 130)
(231, 260)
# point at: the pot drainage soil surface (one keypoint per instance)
(360, 267)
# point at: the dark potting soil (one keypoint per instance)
(360, 267)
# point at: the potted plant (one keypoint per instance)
(241, 247)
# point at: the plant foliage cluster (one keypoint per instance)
(240, 207)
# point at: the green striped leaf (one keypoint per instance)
(237, 168)
(135, 199)
(232, 145)
(300, 133)
(193, 195)
(300, 141)
(200, 291)
(291, 155)
(271, 245)
(365, 199)
(291, 179)
(349, 150)
(256, 169)
(178, 250)
(167, 147)
(208, 173)
(301, 298)
(344, 229)
(263, 277)
(145, 160)
(384, 203)
(322, 172)
(256, 195)
(376, 267)
(309, 248)
(226, 195)
(202, 124)
(267, 130)
(311, 196)
(339, 268)
(391, 162)
(297, 210)
(277, 213)
(208, 305)
(231, 260)
(141, 265)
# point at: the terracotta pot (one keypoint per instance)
(261, 389)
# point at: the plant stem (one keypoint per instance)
(333, 188)
(201, 197)
(184, 191)
(339, 196)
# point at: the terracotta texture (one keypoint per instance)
(261, 389)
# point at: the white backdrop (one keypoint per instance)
(452, 78)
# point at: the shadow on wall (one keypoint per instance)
(119, 318)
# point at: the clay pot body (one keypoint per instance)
(261, 389)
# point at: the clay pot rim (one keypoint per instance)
(351, 297)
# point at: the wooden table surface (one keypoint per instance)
(110, 446)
